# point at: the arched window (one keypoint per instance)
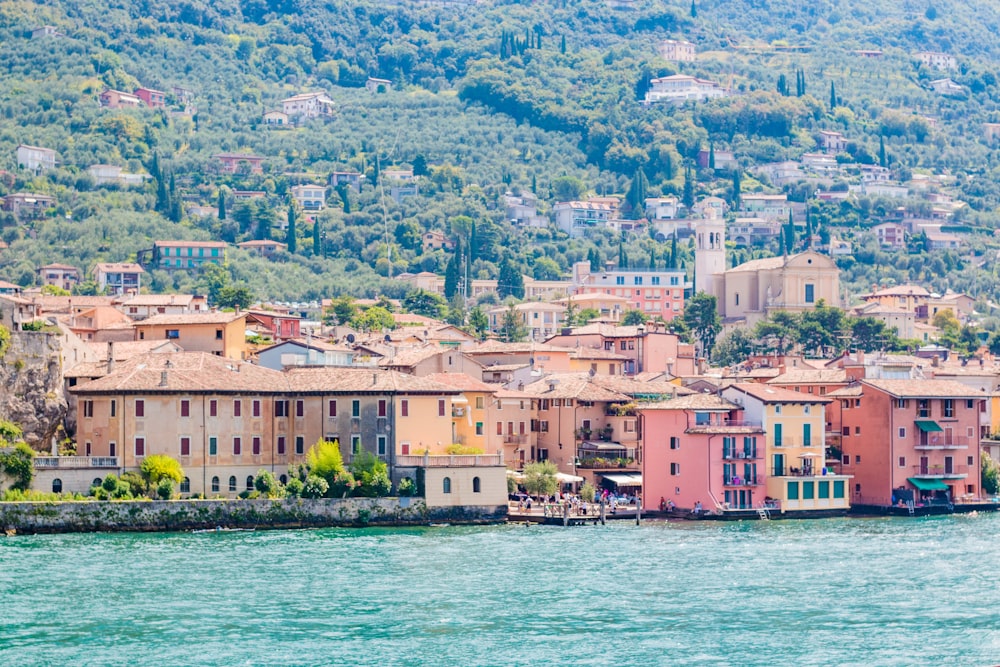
(249, 482)
(215, 485)
(447, 484)
(283, 479)
(97, 481)
(186, 486)
(57, 485)
(232, 483)
(475, 485)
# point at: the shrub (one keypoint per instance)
(267, 485)
(463, 450)
(135, 482)
(112, 487)
(343, 485)
(19, 465)
(314, 487)
(158, 467)
(588, 492)
(294, 487)
(371, 475)
(165, 489)
(406, 488)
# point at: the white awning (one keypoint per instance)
(567, 479)
(624, 480)
(459, 400)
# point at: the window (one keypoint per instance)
(215, 484)
(971, 460)
(902, 461)
(441, 407)
(777, 408)
(857, 458)
(807, 490)
(824, 490)
(382, 445)
(281, 445)
(777, 435)
(846, 430)
(355, 408)
(901, 403)
(404, 448)
(479, 402)
(218, 334)
(857, 402)
(140, 446)
(847, 459)
(902, 431)
(256, 407)
(281, 408)
(87, 448)
(404, 407)
(333, 409)
(446, 485)
(112, 449)
(186, 485)
(300, 444)
(356, 443)
(543, 426)
(185, 407)
(381, 407)
(213, 408)
(255, 445)
(968, 403)
(675, 442)
(923, 408)
(237, 446)
(140, 408)
(57, 485)
(173, 334)
(810, 293)
(185, 446)
(300, 408)
(476, 485)
(114, 408)
(949, 408)
(213, 446)
(479, 428)
(499, 428)
(793, 491)
(807, 435)
(675, 468)
(838, 488)
(232, 483)
(249, 482)
(88, 409)
(237, 408)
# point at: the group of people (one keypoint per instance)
(554, 505)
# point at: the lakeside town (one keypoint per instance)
(629, 410)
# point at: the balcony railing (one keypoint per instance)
(938, 470)
(741, 454)
(944, 442)
(789, 471)
(605, 463)
(738, 480)
(521, 439)
(50, 462)
(447, 461)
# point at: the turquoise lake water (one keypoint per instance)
(920, 591)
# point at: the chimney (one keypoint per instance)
(935, 361)
(163, 378)
(111, 356)
(374, 379)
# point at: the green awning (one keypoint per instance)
(928, 484)
(928, 426)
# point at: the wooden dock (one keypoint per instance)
(562, 517)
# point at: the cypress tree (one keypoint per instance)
(562, 45)
(317, 240)
(694, 10)
(737, 188)
(711, 155)
(833, 96)
(453, 273)
(688, 196)
(222, 205)
(291, 238)
(882, 161)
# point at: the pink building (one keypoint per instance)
(699, 452)
(240, 163)
(911, 440)
(281, 326)
(154, 99)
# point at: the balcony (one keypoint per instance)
(606, 463)
(789, 471)
(68, 462)
(938, 470)
(739, 480)
(944, 442)
(741, 454)
(515, 439)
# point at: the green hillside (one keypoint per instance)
(490, 96)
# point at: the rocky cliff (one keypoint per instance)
(31, 387)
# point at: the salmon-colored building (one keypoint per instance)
(911, 441)
(220, 333)
(698, 451)
(645, 348)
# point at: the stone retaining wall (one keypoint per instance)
(173, 515)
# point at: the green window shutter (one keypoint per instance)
(824, 489)
(807, 435)
(793, 491)
(838, 488)
(213, 446)
(807, 490)
(777, 435)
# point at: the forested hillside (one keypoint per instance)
(485, 97)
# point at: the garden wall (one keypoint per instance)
(173, 515)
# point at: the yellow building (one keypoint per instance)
(796, 476)
(221, 334)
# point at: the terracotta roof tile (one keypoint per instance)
(925, 388)
(191, 318)
(771, 394)
(352, 380)
(195, 372)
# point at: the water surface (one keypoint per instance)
(901, 591)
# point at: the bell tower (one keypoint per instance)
(710, 257)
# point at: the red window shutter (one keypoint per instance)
(256, 446)
(213, 408)
(185, 408)
(140, 446)
(300, 408)
(256, 408)
(381, 407)
(440, 407)
(185, 446)
(333, 408)
(237, 446)
(404, 407)
(281, 445)
(237, 408)
(140, 408)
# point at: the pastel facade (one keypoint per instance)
(35, 158)
(311, 198)
(221, 334)
(187, 254)
(63, 276)
(676, 50)
(912, 440)
(154, 99)
(680, 88)
(540, 319)
(654, 292)
(239, 163)
(118, 99)
(308, 105)
(119, 277)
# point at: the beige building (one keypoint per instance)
(791, 283)
(222, 334)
